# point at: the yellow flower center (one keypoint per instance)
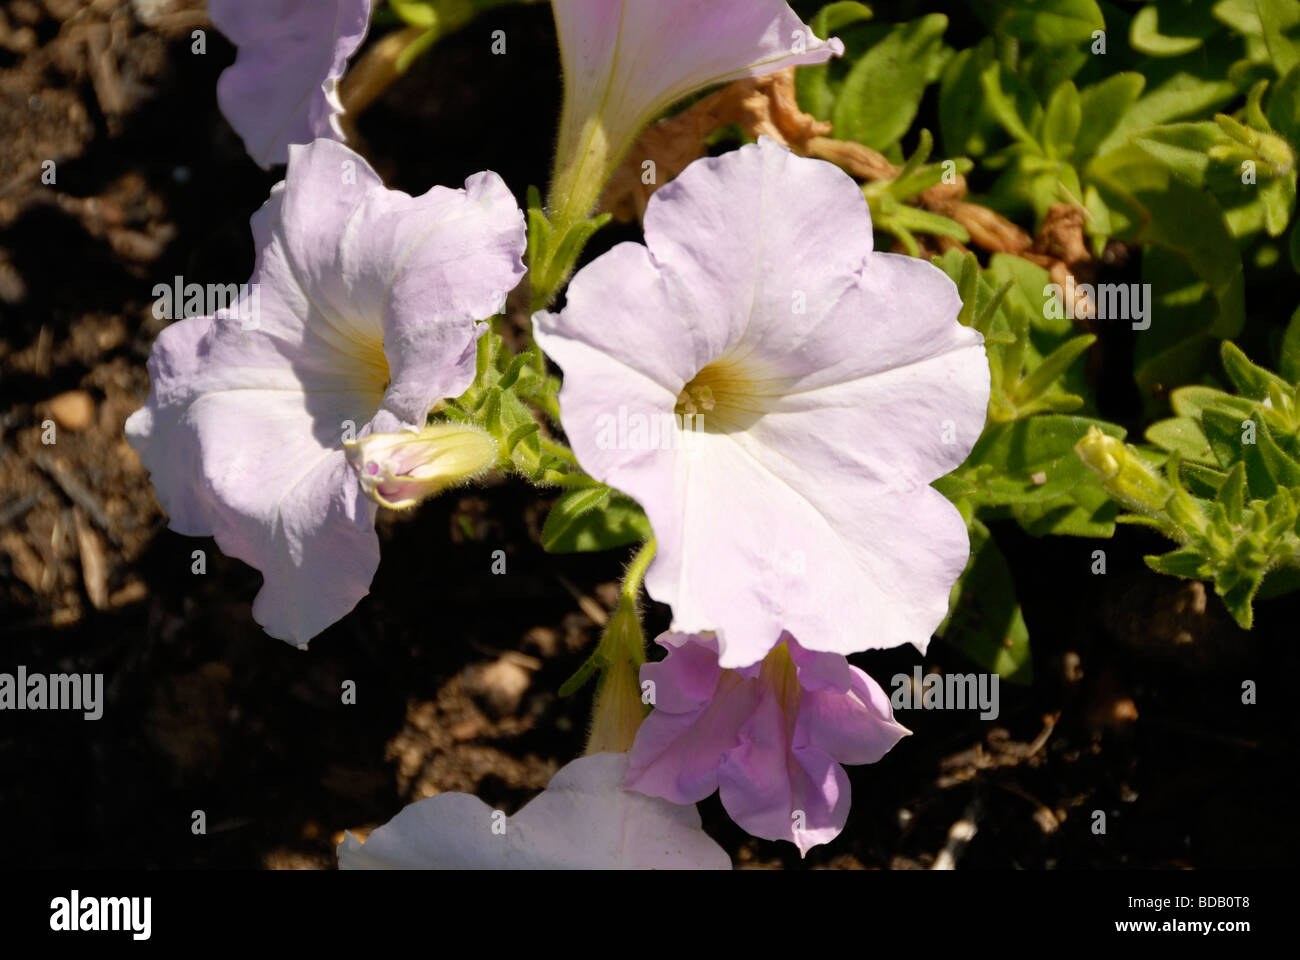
(726, 396)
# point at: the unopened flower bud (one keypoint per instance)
(398, 470)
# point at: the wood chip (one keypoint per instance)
(94, 570)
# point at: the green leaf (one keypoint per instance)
(1184, 147)
(1049, 22)
(1282, 467)
(1159, 31)
(1227, 434)
(1250, 380)
(1102, 106)
(1191, 401)
(1031, 460)
(812, 82)
(1232, 494)
(1182, 434)
(1240, 15)
(1003, 107)
(415, 13)
(1284, 108)
(1182, 95)
(1188, 564)
(1061, 121)
(593, 519)
(883, 89)
(1086, 511)
(1174, 216)
(1052, 368)
(1280, 20)
(836, 16)
(964, 121)
(986, 622)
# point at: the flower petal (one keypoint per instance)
(779, 794)
(676, 755)
(856, 728)
(410, 273)
(582, 820)
(282, 86)
(635, 58)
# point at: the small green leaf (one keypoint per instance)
(1145, 34)
(1250, 380)
(883, 89)
(594, 519)
(1031, 460)
(1280, 20)
(1188, 564)
(1101, 106)
(1185, 435)
(1052, 368)
(1061, 121)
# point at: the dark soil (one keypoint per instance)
(1135, 710)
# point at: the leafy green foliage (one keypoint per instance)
(1175, 126)
(1230, 496)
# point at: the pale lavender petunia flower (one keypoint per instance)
(818, 388)
(368, 302)
(582, 820)
(283, 85)
(627, 61)
(770, 738)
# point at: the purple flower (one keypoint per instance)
(582, 820)
(282, 88)
(770, 737)
(367, 306)
(789, 395)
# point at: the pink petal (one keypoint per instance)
(856, 727)
(676, 755)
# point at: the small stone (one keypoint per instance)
(74, 410)
(501, 684)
